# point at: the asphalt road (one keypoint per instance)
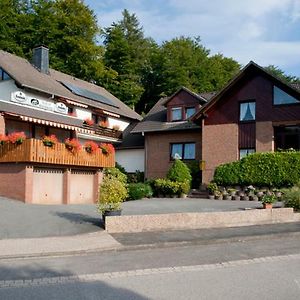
(245, 269)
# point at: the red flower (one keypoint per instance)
(88, 121)
(107, 149)
(73, 145)
(49, 140)
(16, 137)
(91, 147)
(3, 139)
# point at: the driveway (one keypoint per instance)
(19, 220)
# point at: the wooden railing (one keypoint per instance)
(117, 134)
(32, 150)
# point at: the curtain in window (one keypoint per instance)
(176, 151)
(189, 151)
(247, 111)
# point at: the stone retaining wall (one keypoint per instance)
(179, 221)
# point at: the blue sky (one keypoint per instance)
(265, 31)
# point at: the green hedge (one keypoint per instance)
(272, 169)
(139, 190)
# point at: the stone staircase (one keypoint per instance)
(198, 194)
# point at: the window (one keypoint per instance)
(176, 114)
(3, 75)
(247, 111)
(183, 151)
(246, 152)
(189, 111)
(281, 97)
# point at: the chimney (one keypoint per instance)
(40, 59)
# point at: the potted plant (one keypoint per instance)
(268, 199)
(91, 147)
(231, 192)
(218, 195)
(212, 188)
(73, 145)
(107, 149)
(226, 195)
(88, 122)
(112, 193)
(16, 137)
(49, 141)
(103, 124)
(3, 139)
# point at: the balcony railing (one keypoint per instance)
(104, 131)
(34, 151)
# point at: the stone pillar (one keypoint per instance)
(264, 136)
(66, 186)
(28, 189)
(98, 176)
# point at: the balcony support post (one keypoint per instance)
(66, 186)
(28, 170)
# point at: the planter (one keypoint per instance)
(219, 197)
(253, 198)
(182, 195)
(211, 197)
(267, 205)
(228, 197)
(236, 198)
(48, 144)
(111, 213)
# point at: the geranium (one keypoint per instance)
(73, 145)
(107, 149)
(49, 140)
(91, 147)
(103, 123)
(88, 122)
(16, 137)
(3, 139)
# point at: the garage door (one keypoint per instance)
(47, 186)
(81, 187)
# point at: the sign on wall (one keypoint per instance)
(20, 97)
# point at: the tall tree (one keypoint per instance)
(276, 71)
(127, 52)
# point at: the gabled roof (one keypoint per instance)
(156, 119)
(131, 141)
(27, 76)
(250, 67)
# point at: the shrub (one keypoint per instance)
(183, 188)
(112, 193)
(291, 197)
(166, 187)
(276, 169)
(139, 190)
(116, 173)
(269, 198)
(179, 172)
(135, 177)
(212, 188)
(121, 168)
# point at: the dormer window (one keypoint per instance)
(176, 114)
(189, 111)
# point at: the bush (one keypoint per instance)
(166, 187)
(116, 173)
(112, 193)
(136, 177)
(139, 190)
(278, 169)
(121, 168)
(179, 172)
(291, 197)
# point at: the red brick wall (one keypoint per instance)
(157, 150)
(264, 136)
(12, 181)
(220, 145)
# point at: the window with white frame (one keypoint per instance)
(183, 151)
(247, 111)
(246, 152)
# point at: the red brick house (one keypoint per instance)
(169, 133)
(39, 101)
(255, 112)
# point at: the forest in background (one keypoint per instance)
(133, 67)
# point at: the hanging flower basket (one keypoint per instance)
(73, 145)
(91, 147)
(3, 139)
(16, 138)
(88, 122)
(107, 149)
(49, 141)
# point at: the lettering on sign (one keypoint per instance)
(19, 97)
(61, 108)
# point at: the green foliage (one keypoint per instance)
(116, 173)
(179, 171)
(278, 169)
(112, 193)
(168, 187)
(291, 197)
(120, 168)
(212, 188)
(269, 198)
(139, 190)
(281, 75)
(136, 177)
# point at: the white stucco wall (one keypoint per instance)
(83, 114)
(131, 159)
(112, 122)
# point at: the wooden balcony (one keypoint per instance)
(34, 151)
(104, 131)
